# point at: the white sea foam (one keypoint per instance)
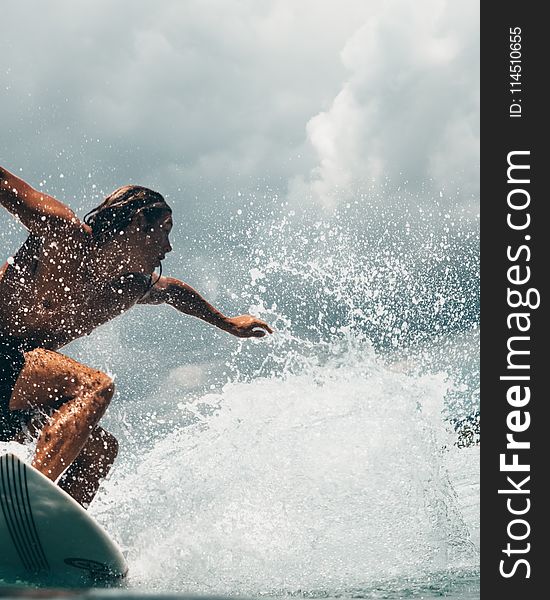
(22, 451)
(321, 464)
(333, 477)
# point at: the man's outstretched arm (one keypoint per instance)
(184, 298)
(34, 209)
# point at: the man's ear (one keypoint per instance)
(140, 221)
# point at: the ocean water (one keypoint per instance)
(329, 460)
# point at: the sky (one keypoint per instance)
(221, 104)
(210, 101)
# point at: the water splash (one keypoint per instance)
(321, 459)
(326, 479)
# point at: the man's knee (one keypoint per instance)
(106, 387)
(94, 391)
(102, 388)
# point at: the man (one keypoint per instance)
(68, 278)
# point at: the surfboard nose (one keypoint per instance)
(46, 535)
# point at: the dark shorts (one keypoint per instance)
(12, 361)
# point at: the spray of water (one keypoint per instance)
(323, 458)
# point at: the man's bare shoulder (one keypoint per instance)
(157, 291)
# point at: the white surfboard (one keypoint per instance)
(46, 535)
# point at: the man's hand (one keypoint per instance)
(247, 326)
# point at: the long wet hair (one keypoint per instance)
(116, 212)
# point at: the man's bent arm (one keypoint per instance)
(184, 298)
(34, 209)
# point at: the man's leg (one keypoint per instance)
(81, 480)
(78, 394)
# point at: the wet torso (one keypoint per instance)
(50, 294)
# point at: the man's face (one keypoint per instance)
(147, 243)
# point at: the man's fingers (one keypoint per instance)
(251, 327)
(265, 326)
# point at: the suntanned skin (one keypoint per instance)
(60, 286)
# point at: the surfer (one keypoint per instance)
(69, 277)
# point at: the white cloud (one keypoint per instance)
(409, 109)
(200, 95)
